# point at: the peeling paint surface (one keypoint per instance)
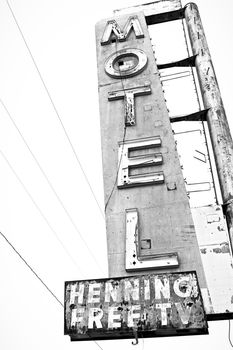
(152, 7)
(129, 101)
(216, 117)
(216, 257)
(153, 305)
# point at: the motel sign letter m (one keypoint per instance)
(112, 27)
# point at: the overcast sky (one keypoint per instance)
(54, 222)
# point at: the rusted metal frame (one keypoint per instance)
(193, 117)
(216, 118)
(141, 334)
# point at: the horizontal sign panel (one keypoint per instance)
(145, 305)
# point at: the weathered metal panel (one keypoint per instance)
(194, 158)
(152, 7)
(146, 305)
(216, 117)
(216, 257)
(162, 203)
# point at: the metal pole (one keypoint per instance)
(217, 121)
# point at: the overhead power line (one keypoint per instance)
(54, 107)
(48, 181)
(36, 275)
(32, 270)
(39, 210)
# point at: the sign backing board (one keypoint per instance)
(165, 304)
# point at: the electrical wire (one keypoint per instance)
(50, 184)
(67, 137)
(54, 107)
(36, 275)
(122, 150)
(32, 270)
(40, 211)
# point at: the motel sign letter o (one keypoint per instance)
(126, 63)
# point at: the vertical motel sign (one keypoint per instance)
(148, 218)
(152, 229)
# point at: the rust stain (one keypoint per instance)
(152, 303)
(222, 249)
